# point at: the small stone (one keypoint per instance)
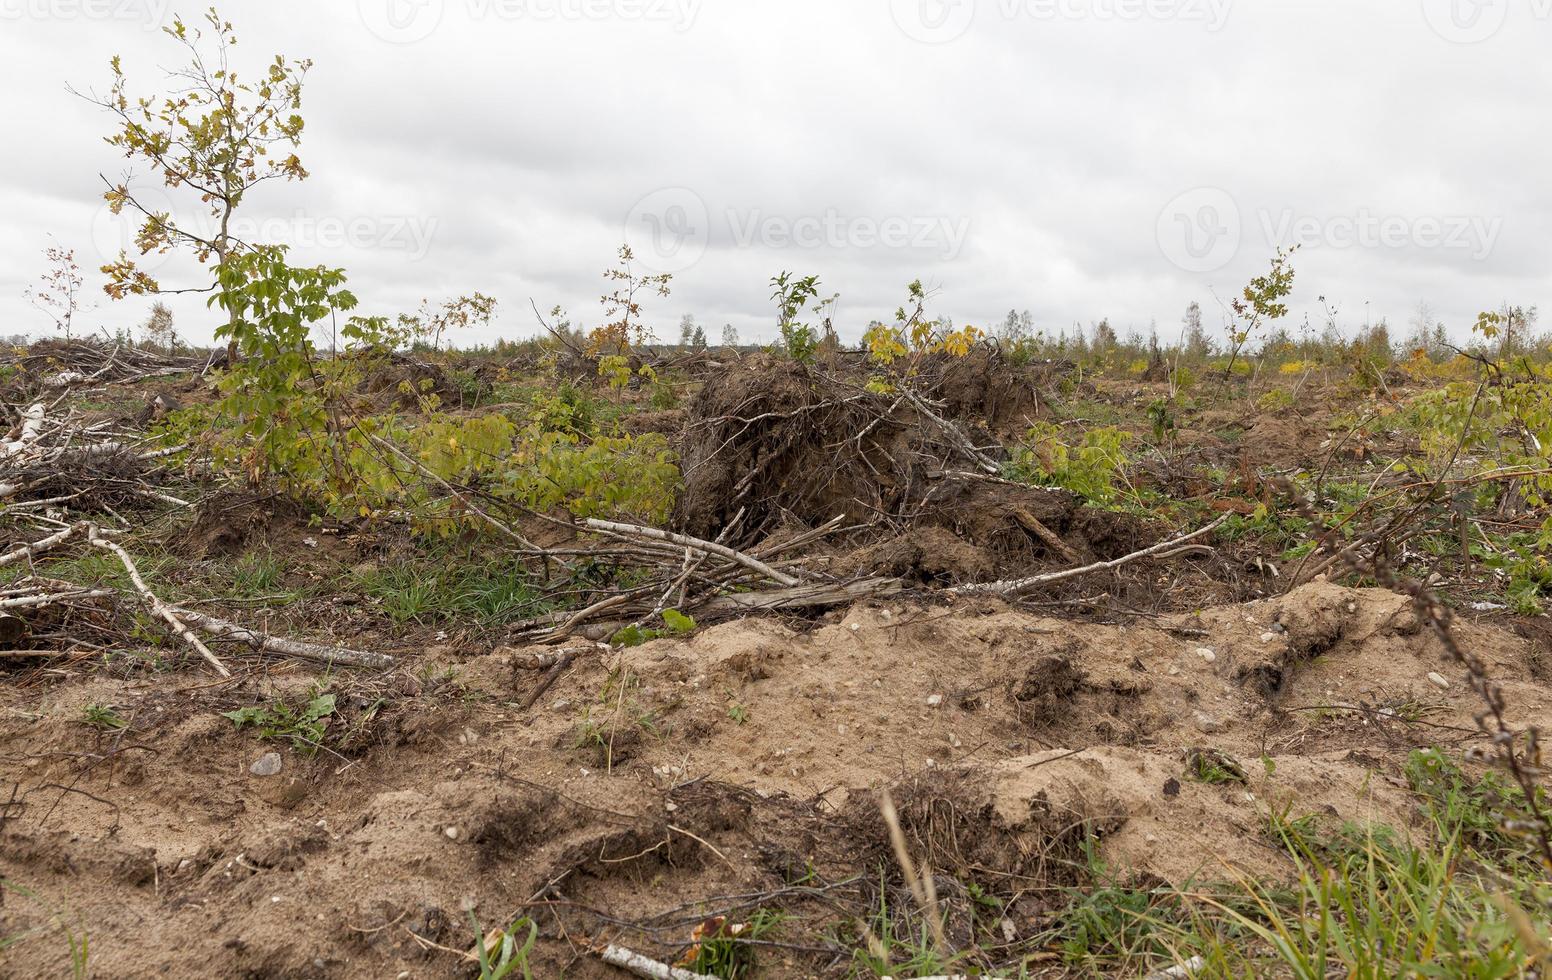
(1268, 637)
(267, 764)
(933, 700)
(670, 806)
(1206, 653)
(467, 904)
(1207, 725)
(854, 627)
(451, 832)
(1438, 680)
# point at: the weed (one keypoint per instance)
(500, 953)
(725, 950)
(103, 717)
(303, 724)
(896, 943)
(675, 623)
(1213, 767)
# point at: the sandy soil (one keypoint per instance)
(648, 785)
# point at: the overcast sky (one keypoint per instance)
(1077, 158)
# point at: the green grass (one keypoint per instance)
(897, 942)
(729, 953)
(1461, 898)
(434, 590)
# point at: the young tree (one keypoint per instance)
(1104, 338)
(60, 295)
(729, 336)
(1260, 303)
(687, 329)
(698, 338)
(625, 329)
(216, 135)
(1194, 341)
(158, 330)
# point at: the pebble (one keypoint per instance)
(1206, 653)
(451, 832)
(1207, 725)
(1268, 637)
(933, 700)
(1438, 680)
(855, 627)
(267, 764)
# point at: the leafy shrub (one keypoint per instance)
(1089, 467)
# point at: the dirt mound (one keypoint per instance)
(743, 761)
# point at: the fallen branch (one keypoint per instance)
(1048, 537)
(159, 607)
(32, 427)
(44, 544)
(644, 967)
(299, 649)
(54, 598)
(1162, 549)
(685, 541)
(799, 597)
